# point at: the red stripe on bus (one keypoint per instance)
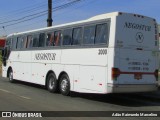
(142, 73)
(116, 72)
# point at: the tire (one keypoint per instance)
(64, 85)
(10, 76)
(52, 83)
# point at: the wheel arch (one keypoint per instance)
(63, 72)
(8, 70)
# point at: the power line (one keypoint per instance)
(83, 5)
(34, 7)
(27, 10)
(54, 9)
(45, 11)
(41, 22)
(25, 20)
(22, 10)
(24, 17)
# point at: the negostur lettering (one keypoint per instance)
(137, 26)
(45, 56)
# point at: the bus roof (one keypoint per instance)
(97, 17)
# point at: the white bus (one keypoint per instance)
(109, 53)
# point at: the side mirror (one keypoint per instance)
(4, 56)
(2, 52)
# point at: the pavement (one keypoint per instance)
(21, 96)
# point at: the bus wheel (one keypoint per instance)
(10, 76)
(52, 83)
(64, 85)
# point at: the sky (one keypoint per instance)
(24, 15)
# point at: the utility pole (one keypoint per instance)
(49, 20)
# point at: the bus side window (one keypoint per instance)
(67, 37)
(77, 36)
(8, 48)
(89, 35)
(57, 38)
(14, 43)
(19, 43)
(24, 41)
(29, 41)
(49, 39)
(35, 40)
(101, 34)
(41, 39)
(8, 41)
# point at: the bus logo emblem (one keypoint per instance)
(139, 37)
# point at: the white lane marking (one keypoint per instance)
(25, 97)
(14, 94)
(5, 90)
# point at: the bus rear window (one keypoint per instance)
(101, 34)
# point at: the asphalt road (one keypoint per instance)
(22, 96)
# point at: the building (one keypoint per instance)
(2, 42)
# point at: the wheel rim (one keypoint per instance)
(51, 83)
(10, 76)
(64, 85)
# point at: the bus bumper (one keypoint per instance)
(131, 88)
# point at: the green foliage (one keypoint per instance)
(0, 58)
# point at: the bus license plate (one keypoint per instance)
(138, 76)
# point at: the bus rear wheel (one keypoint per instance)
(64, 85)
(52, 83)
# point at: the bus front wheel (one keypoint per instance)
(64, 85)
(10, 76)
(52, 83)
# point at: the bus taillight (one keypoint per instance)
(115, 73)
